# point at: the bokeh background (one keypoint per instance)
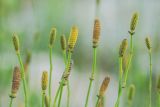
(32, 20)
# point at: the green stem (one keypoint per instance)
(92, 75)
(60, 97)
(98, 100)
(68, 87)
(56, 97)
(150, 79)
(129, 61)
(68, 94)
(23, 79)
(50, 76)
(43, 97)
(62, 82)
(120, 82)
(158, 100)
(10, 104)
(65, 57)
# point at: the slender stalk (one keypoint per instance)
(10, 104)
(120, 82)
(50, 76)
(150, 79)
(60, 97)
(92, 75)
(23, 79)
(68, 87)
(43, 97)
(97, 102)
(68, 94)
(56, 97)
(62, 82)
(129, 61)
(158, 100)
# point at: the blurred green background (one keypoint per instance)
(32, 20)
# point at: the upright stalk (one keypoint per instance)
(68, 94)
(129, 61)
(62, 82)
(23, 79)
(10, 104)
(92, 75)
(98, 101)
(60, 97)
(150, 79)
(120, 82)
(133, 24)
(56, 97)
(158, 100)
(50, 75)
(52, 38)
(68, 87)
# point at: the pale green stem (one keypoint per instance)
(10, 104)
(150, 79)
(68, 94)
(23, 79)
(98, 100)
(62, 82)
(43, 97)
(60, 97)
(56, 97)
(50, 76)
(129, 61)
(68, 87)
(120, 82)
(92, 76)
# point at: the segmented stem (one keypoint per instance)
(23, 79)
(158, 100)
(68, 94)
(120, 82)
(10, 104)
(56, 97)
(62, 82)
(68, 87)
(129, 61)
(60, 97)
(50, 75)
(92, 76)
(150, 79)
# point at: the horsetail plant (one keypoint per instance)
(158, 90)
(63, 46)
(102, 90)
(17, 49)
(15, 84)
(96, 36)
(133, 24)
(148, 45)
(52, 38)
(44, 85)
(131, 93)
(71, 44)
(122, 50)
